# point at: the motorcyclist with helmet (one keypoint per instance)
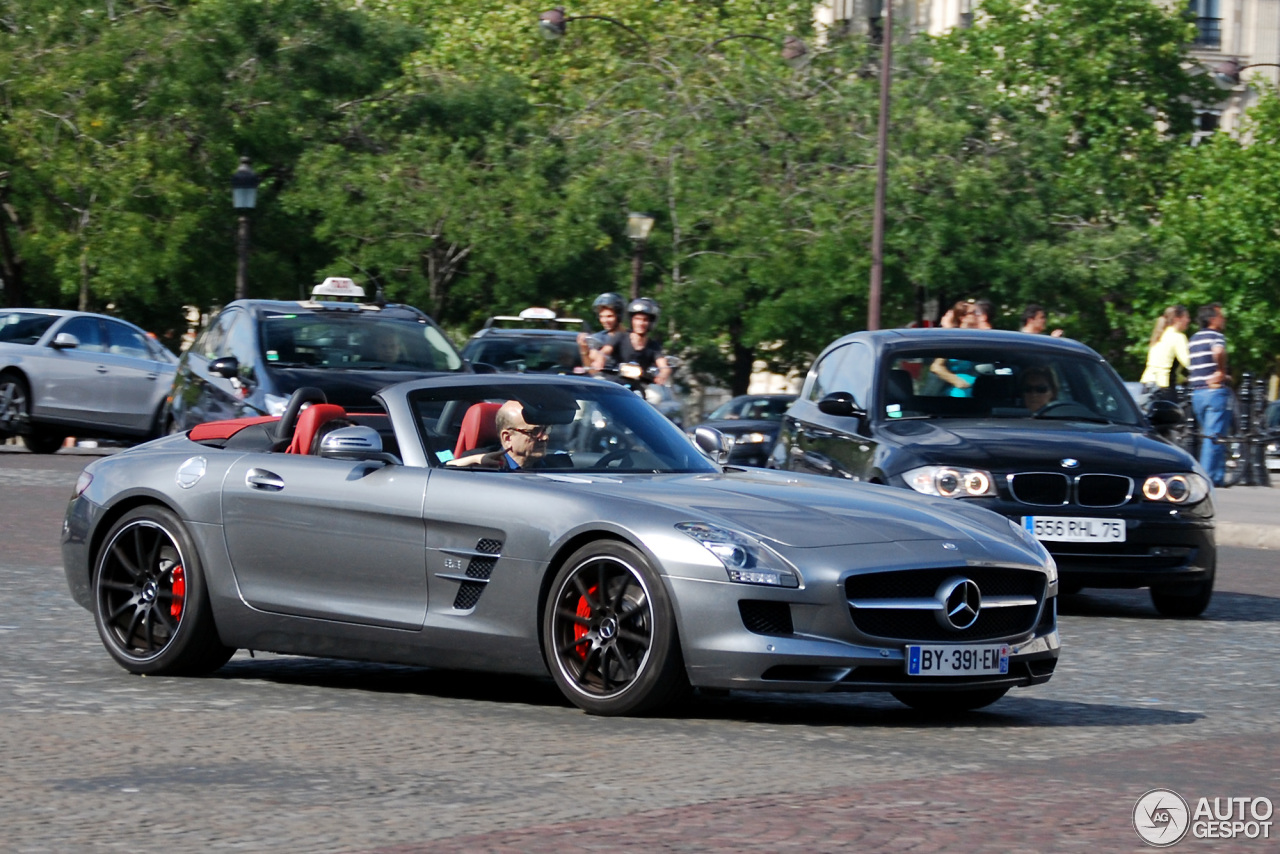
(635, 347)
(608, 310)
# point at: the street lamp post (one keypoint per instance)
(1227, 74)
(244, 196)
(882, 147)
(638, 227)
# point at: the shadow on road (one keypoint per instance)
(1017, 710)
(1224, 607)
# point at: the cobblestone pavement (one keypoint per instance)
(285, 754)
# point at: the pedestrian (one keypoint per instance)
(982, 311)
(1210, 389)
(1168, 344)
(1035, 319)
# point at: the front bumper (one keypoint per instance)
(814, 647)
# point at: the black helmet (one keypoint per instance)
(609, 300)
(644, 305)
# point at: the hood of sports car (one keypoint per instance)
(1019, 445)
(811, 511)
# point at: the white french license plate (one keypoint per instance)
(1075, 529)
(956, 660)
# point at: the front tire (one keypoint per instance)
(1187, 600)
(609, 633)
(151, 603)
(950, 702)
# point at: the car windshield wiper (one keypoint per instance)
(1067, 416)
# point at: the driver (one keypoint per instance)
(523, 445)
(1039, 388)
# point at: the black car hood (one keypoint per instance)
(349, 389)
(1019, 445)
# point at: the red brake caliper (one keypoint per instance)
(579, 630)
(179, 592)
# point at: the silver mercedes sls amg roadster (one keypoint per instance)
(620, 557)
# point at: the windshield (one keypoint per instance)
(550, 354)
(366, 342)
(24, 327)
(752, 408)
(980, 383)
(588, 426)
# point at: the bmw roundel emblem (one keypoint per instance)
(1070, 463)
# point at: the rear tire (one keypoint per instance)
(151, 603)
(949, 702)
(609, 633)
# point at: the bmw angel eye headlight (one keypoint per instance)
(745, 560)
(951, 481)
(1179, 488)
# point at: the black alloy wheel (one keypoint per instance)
(151, 605)
(14, 399)
(609, 633)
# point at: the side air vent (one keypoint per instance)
(480, 565)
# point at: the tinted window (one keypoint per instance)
(86, 331)
(848, 368)
(521, 355)
(825, 374)
(124, 341)
(211, 343)
(356, 341)
(981, 383)
(19, 327)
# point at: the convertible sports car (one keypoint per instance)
(624, 562)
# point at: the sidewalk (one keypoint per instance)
(1248, 516)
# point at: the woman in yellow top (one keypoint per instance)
(1168, 343)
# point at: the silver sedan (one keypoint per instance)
(73, 373)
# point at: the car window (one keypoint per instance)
(591, 426)
(984, 383)
(124, 341)
(849, 369)
(550, 354)
(86, 331)
(211, 342)
(21, 327)
(352, 341)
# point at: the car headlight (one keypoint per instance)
(745, 560)
(951, 481)
(276, 405)
(750, 439)
(1181, 488)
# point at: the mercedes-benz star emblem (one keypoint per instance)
(960, 601)
(1070, 463)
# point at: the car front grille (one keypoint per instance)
(903, 605)
(1054, 489)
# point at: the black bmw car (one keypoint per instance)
(750, 422)
(1039, 429)
(255, 353)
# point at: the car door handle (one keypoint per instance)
(263, 479)
(152, 376)
(102, 369)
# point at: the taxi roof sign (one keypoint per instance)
(537, 313)
(338, 286)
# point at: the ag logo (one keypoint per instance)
(1161, 817)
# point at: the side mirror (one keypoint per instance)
(1164, 413)
(840, 403)
(65, 341)
(227, 367)
(712, 443)
(355, 443)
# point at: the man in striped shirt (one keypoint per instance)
(1210, 389)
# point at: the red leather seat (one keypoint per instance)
(479, 428)
(311, 419)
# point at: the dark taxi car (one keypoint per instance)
(1039, 429)
(542, 343)
(256, 353)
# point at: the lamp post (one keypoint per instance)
(244, 196)
(554, 23)
(638, 227)
(1227, 74)
(882, 147)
